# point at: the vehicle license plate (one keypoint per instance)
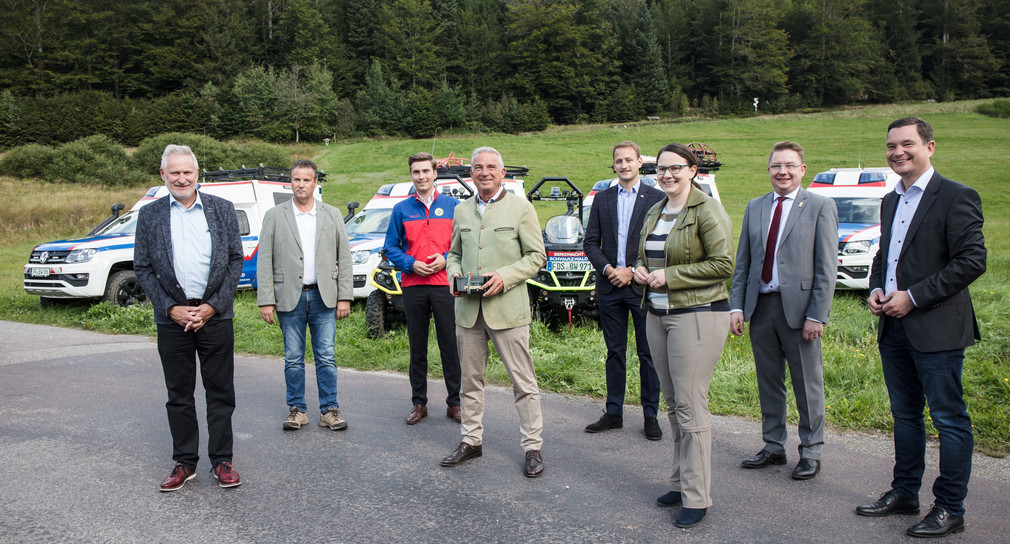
(40, 272)
(568, 261)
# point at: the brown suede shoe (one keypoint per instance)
(179, 476)
(454, 413)
(462, 452)
(418, 413)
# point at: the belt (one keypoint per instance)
(310, 286)
(194, 302)
(717, 306)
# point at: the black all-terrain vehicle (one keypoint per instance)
(566, 285)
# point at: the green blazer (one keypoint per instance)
(506, 240)
(279, 265)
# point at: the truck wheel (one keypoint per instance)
(124, 289)
(47, 302)
(375, 314)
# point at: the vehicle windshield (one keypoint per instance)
(372, 221)
(124, 224)
(858, 210)
(563, 229)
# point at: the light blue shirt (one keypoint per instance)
(625, 207)
(908, 202)
(481, 205)
(191, 246)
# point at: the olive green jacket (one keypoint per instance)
(507, 239)
(699, 251)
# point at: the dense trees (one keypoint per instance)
(293, 69)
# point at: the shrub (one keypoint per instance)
(78, 162)
(27, 161)
(997, 108)
(253, 154)
(210, 153)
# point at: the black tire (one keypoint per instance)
(46, 302)
(123, 289)
(375, 314)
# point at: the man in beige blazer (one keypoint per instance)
(303, 272)
(496, 235)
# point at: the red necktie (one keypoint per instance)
(773, 238)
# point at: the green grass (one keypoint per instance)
(971, 148)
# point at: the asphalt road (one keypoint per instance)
(84, 443)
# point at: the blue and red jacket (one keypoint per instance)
(417, 231)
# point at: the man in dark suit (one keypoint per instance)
(188, 259)
(931, 250)
(786, 266)
(611, 243)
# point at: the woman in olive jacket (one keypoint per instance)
(685, 258)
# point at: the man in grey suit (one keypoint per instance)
(786, 265)
(931, 249)
(188, 258)
(304, 276)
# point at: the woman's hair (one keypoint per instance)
(687, 154)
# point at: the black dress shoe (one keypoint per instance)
(605, 423)
(938, 522)
(763, 459)
(463, 452)
(889, 503)
(534, 464)
(652, 430)
(806, 469)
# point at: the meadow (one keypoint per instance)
(971, 148)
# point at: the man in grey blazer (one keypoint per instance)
(304, 276)
(496, 235)
(786, 266)
(188, 258)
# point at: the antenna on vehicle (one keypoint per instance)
(433, 138)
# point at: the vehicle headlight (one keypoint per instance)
(360, 256)
(80, 255)
(860, 247)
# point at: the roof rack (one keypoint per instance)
(460, 166)
(261, 173)
(708, 161)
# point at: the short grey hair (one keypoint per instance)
(486, 149)
(174, 149)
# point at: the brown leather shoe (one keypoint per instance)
(454, 413)
(179, 476)
(418, 413)
(534, 464)
(226, 475)
(463, 452)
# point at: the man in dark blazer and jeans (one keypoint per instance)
(188, 259)
(931, 250)
(611, 243)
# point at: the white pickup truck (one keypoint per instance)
(100, 265)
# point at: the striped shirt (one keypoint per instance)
(655, 256)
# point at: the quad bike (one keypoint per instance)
(566, 285)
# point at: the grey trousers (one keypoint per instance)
(513, 347)
(775, 345)
(685, 349)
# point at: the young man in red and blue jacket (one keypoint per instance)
(417, 240)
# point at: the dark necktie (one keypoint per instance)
(773, 238)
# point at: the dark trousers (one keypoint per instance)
(214, 344)
(614, 309)
(420, 303)
(914, 378)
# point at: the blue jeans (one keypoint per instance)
(914, 378)
(322, 323)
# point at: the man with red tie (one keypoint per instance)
(786, 266)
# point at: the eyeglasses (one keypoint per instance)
(673, 169)
(789, 167)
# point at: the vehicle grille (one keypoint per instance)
(360, 280)
(51, 257)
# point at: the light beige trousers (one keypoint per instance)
(513, 347)
(685, 348)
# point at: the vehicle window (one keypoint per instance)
(281, 198)
(825, 178)
(370, 222)
(243, 223)
(872, 177)
(858, 210)
(124, 224)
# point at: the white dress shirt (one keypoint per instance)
(306, 222)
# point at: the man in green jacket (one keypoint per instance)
(496, 235)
